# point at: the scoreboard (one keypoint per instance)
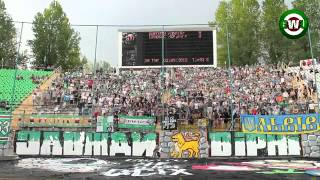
(174, 48)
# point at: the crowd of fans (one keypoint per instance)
(37, 79)
(191, 93)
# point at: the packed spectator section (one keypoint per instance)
(189, 93)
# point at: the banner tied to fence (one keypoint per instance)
(137, 122)
(4, 128)
(105, 124)
(280, 124)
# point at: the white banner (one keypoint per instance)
(136, 120)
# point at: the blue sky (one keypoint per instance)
(116, 12)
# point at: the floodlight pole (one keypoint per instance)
(95, 50)
(230, 78)
(319, 31)
(95, 61)
(14, 79)
(314, 69)
(162, 73)
(16, 68)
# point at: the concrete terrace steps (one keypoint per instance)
(26, 106)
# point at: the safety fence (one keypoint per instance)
(260, 135)
(175, 144)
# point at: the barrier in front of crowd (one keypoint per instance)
(280, 124)
(185, 141)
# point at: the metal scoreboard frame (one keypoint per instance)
(159, 29)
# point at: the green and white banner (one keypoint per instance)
(4, 128)
(104, 124)
(137, 122)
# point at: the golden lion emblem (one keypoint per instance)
(192, 146)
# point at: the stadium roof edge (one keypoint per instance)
(171, 28)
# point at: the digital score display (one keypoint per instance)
(179, 48)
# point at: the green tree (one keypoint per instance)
(222, 16)
(103, 65)
(301, 48)
(88, 67)
(56, 42)
(7, 38)
(23, 59)
(245, 43)
(275, 46)
(84, 60)
(241, 19)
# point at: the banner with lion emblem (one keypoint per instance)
(185, 143)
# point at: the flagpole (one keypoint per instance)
(162, 74)
(14, 81)
(230, 78)
(314, 68)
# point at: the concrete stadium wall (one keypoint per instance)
(171, 144)
(311, 144)
(241, 144)
(184, 144)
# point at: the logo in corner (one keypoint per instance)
(293, 24)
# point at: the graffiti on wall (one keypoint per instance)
(145, 167)
(187, 141)
(184, 143)
(242, 144)
(67, 165)
(172, 144)
(85, 143)
(109, 168)
(264, 166)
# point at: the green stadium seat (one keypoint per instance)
(23, 87)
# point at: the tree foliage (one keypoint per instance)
(88, 68)
(231, 17)
(23, 59)
(254, 32)
(274, 45)
(56, 42)
(301, 47)
(103, 66)
(222, 16)
(7, 38)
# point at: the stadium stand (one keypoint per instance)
(36, 112)
(25, 82)
(191, 93)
